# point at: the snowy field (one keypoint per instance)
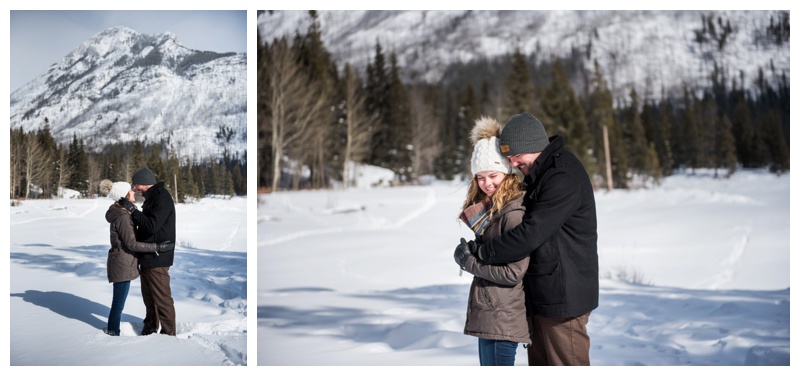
(693, 272)
(60, 296)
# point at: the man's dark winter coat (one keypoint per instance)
(559, 231)
(156, 224)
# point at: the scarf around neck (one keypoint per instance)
(477, 215)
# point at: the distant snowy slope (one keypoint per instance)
(648, 50)
(121, 85)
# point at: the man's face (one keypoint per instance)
(524, 161)
(141, 188)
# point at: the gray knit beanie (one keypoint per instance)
(143, 176)
(523, 133)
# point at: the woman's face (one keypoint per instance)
(488, 181)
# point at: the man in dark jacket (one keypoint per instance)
(155, 224)
(559, 232)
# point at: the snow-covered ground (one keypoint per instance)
(60, 297)
(366, 276)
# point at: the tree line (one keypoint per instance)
(315, 120)
(41, 168)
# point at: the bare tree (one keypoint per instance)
(37, 161)
(425, 138)
(126, 168)
(294, 102)
(64, 168)
(357, 134)
(316, 159)
(94, 174)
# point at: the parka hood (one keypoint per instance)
(114, 211)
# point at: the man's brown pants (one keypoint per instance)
(559, 341)
(157, 296)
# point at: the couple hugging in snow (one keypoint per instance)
(534, 257)
(142, 243)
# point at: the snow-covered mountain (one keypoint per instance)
(122, 85)
(647, 50)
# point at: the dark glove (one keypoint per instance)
(463, 252)
(166, 246)
(129, 206)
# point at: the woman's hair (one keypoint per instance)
(510, 189)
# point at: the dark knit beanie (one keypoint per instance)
(143, 176)
(523, 133)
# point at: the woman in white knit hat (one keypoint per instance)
(496, 307)
(122, 265)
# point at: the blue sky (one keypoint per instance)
(42, 38)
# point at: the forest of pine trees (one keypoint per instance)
(40, 167)
(313, 122)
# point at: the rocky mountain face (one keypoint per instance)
(121, 85)
(655, 52)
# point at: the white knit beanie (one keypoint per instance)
(114, 191)
(486, 147)
(486, 157)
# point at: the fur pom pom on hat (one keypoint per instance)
(486, 151)
(114, 191)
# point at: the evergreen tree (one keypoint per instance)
(708, 132)
(239, 180)
(264, 163)
(652, 132)
(445, 165)
(655, 138)
(563, 114)
(726, 146)
(79, 166)
(212, 180)
(635, 140)
(377, 106)
(664, 147)
(750, 147)
(776, 144)
(137, 159)
(188, 181)
(486, 105)
(519, 94)
(468, 112)
(601, 113)
(156, 164)
(686, 146)
(173, 175)
(226, 186)
(113, 169)
(200, 177)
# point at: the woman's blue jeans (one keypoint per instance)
(117, 304)
(496, 353)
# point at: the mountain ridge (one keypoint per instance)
(121, 85)
(645, 50)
